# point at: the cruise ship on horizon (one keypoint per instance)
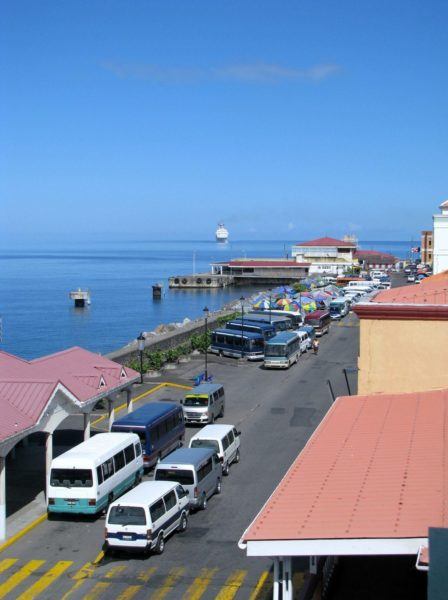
(222, 235)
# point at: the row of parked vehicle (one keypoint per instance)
(93, 476)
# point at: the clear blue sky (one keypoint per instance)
(286, 119)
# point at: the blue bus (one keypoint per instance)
(263, 328)
(160, 427)
(228, 342)
(278, 322)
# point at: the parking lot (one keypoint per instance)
(276, 411)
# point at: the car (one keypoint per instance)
(411, 278)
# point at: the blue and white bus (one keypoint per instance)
(264, 329)
(88, 477)
(294, 315)
(279, 322)
(282, 350)
(160, 427)
(231, 342)
(339, 307)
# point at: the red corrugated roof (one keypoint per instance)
(374, 468)
(266, 263)
(327, 241)
(369, 253)
(432, 290)
(27, 386)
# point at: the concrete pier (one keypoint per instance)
(200, 281)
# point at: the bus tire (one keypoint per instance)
(138, 479)
(203, 504)
(160, 545)
(212, 419)
(237, 457)
(218, 488)
(183, 523)
(226, 469)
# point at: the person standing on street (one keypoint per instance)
(315, 346)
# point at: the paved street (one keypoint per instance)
(276, 411)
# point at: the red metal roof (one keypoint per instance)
(432, 290)
(267, 263)
(327, 241)
(27, 386)
(374, 253)
(374, 468)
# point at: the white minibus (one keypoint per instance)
(284, 349)
(90, 476)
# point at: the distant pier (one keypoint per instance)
(200, 281)
(80, 297)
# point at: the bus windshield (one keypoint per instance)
(275, 350)
(182, 476)
(127, 515)
(195, 401)
(71, 478)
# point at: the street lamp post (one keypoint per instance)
(242, 326)
(141, 347)
(270, 306)
(206, 313)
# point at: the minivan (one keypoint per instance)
(198, 470)
(204, 403)
(224, 439)
(145, 516)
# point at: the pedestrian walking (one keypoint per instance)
(315, 346)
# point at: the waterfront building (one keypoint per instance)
(403, 338)
(440, 239)
(260, 270)
(326, 255)
(426, 247)
(372, 259)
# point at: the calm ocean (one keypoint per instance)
(38, 317)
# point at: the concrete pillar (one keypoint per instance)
(2, 498)
(276, 582)
(111, 412)
(129, 402)
(288, 593)
(48, 458)
(86, 417)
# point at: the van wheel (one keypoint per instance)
(225, 469)
(218, 487)
(203, 504)
(183, 523)
(212, 419)
(138, 479)
(237, 457)
(160, 546)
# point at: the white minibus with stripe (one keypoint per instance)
(87, 478)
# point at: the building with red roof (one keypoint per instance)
(276, 270)
(38, 395)
(373, 259)
(327, 255)
(404, 338)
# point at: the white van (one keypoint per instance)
(305, 341)
(360, 285)
(145, 516)
(224, 439)
(88, 477)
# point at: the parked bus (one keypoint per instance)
(88, 477)
(295, 315)
(280, 323)
(160, 427)
(339, 307)
(263, 328)
(228, 342)
(320, 320)
(283, 350)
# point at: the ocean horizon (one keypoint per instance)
(38, 317)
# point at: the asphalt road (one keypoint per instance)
(276, 411)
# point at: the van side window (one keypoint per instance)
(221, 392)
(225, 442)
(170, 500)
(235, 432)
(231, 437)
(119, 461)
(129, 453)
(180, 417)
(99, 474)
(108, 468)
(138, 449)
(157, 510)
(205, 469)
(180, 491)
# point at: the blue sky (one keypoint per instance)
(285, 119)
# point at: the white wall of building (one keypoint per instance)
(440, 240)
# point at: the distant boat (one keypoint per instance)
(222, 235)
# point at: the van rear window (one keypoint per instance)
(127, 515)
(182, 476)
(205, 444)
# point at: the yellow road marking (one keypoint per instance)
(20, 576)
(97, 590)
(174, 575)
(199, 585)
(85, 572)
(115, 571)
(145, 576)
(6, 563)
(129, 592)
(231, 586)
(260, 587)
(46, 580)
(23, 532)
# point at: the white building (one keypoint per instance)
(326, 255)
(440, 240)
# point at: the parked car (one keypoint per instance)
(224, 439)
(411, 278)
